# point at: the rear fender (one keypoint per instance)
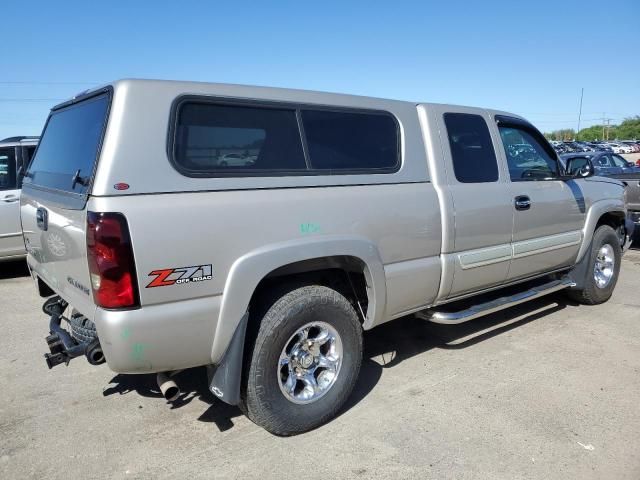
(247, 272)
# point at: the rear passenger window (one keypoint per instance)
(214, 138)
(474, 159)
(351, 141)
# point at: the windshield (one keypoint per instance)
(69, 146)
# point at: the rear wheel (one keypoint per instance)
(603, 268)
(305, 360)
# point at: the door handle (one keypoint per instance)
(522, 202)
(10, 199)
(42, 219)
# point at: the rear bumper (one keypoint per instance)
(158, 338)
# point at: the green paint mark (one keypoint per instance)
(308, 228)
(137, 351)
(126, 333)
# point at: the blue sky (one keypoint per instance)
(526, 57)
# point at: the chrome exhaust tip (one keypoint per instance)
(168, 387)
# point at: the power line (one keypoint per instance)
(47, 83)
(31, 99)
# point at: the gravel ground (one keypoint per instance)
(545, 390)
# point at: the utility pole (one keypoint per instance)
(606, 123)
(580, 112)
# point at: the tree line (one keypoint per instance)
(629, 129)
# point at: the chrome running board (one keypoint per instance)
(481, 309)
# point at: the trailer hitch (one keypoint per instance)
(63, 348)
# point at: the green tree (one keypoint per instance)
(563, 135)
(629, 129)
(592, 133)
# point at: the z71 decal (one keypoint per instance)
(177, 276)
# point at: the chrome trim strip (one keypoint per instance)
(502, 253)
(484, 256)
(546, 244)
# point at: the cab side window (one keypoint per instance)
(7, 169)
(472, 153)
(527, 158)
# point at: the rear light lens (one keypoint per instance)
(111, 264)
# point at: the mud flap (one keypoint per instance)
(579, 272)
(225, 378)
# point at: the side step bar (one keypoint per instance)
(481, 309)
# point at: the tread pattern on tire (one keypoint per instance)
(288, 303)
(591, 294)
(82, 329)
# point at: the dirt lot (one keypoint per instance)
(545, 390)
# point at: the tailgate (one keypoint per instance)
(54, 198)
(56, 248)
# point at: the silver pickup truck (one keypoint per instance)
(259, 231)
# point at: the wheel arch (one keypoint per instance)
(297, 257)
(603, 212)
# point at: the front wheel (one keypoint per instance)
(603, 268)
(305, 361)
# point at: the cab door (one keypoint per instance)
(549, 212)
(11, 242)
(483, 215)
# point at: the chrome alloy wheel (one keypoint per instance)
(310, 363)
(605, 265)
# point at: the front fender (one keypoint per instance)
(247, 272)
(596, 211)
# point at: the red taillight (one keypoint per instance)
(111, 265)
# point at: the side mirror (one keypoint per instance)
(579, 167)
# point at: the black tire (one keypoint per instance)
(590, 293)
(263, 401)
(82, 329)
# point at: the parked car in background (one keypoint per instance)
(614, 166)
(635, 146)
(583, 146)
(236, 160)
(15, 155)
(620, 147)
(558, 147)
(604, 163)
(600, 147)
